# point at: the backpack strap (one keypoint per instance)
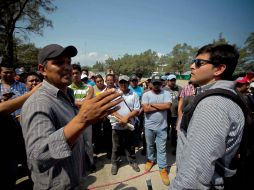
(188, 111)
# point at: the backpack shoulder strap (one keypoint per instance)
(188, 112)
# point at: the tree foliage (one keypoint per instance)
(27, 55)
(24, 16)
(176, 61)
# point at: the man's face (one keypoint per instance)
(76, 76)
(110, 82)
(7, 75)
(205, 73)
(31, 82)
(99, 82)
(58, 72)
(124, 86)
(244, 88)
(171, 83)
(134, 83)
(156, 86)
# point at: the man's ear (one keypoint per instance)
(41, 68)
(219, 70)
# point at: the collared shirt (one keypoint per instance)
(18, 88)
(132, 101)
(214, 132)
(53, 164)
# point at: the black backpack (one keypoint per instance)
(245, 163)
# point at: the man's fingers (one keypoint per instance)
(112, 105)
(105, 94)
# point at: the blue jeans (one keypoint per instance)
(160, 138)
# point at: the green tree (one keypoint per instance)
(220, 40)
(27, 55)
(98, 67)
(180, 57)
(25, 16)
(248, 52)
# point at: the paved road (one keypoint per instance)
(127, 178)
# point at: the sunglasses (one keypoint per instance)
(134, 80)
(201, 62)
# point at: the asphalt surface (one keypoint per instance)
(126, 178)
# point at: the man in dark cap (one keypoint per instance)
(52, 125)
(156, 104)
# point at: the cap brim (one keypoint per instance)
(157, 81)
(69, 51)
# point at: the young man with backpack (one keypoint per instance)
(212, 127)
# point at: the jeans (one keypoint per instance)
(160, 138)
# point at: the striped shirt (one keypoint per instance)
(214, 132)
(53, 164)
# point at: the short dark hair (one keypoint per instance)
(26, 75)
(5, 64)
(98, 76)
(222, 54)
(76, 67)
(110, 75)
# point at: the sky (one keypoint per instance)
(100, 29)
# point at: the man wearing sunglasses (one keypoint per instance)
(213, 134)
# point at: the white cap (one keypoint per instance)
(124, 77)
(170, 77)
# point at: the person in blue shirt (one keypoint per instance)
(135, 87)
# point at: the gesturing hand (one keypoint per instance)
(100, 106)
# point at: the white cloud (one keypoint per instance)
(90, 58)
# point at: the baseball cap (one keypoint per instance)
(170, 77)
(164, 77)
(134, 77)
(54, 50)
(19, 71)
(250, 75)
(124, 77)
(156, 78)
(242, 80)
(84, 76)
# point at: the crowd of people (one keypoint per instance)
(61, 116)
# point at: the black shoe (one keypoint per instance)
(135, 167)
(92, 168)
(114, 169)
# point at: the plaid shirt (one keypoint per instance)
(17, 88)
(187, 91)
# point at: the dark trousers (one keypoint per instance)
(172, 123)
(97, 137)
(107, 136)
(123, 139)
